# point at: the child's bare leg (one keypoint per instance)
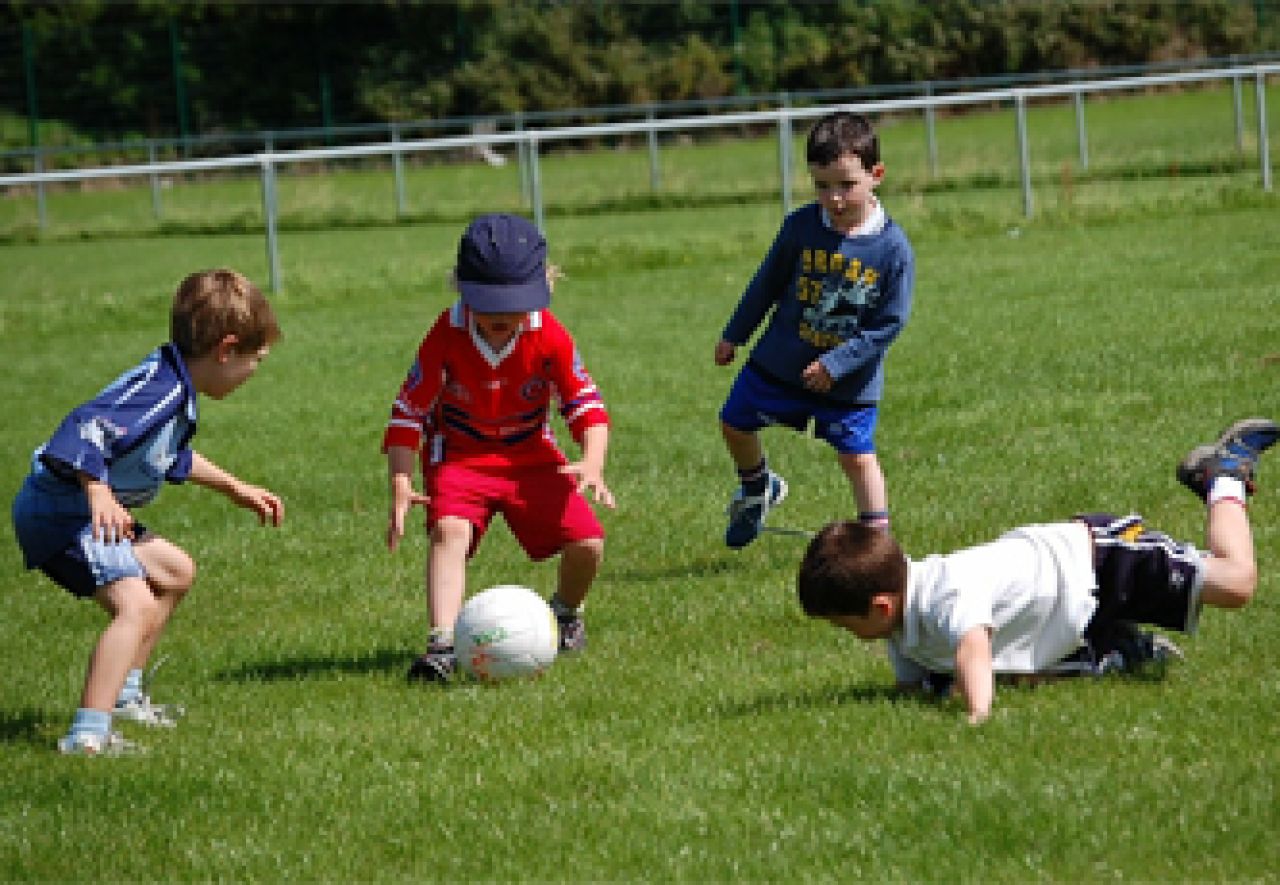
(869, 491)
(170, 574)
(134, 612)
(744, 447)
(579, 565)
(1231, 572)
(447, 570)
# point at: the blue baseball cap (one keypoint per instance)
(502, 266)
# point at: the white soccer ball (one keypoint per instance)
(505, 632)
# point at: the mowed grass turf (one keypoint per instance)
(710, 731)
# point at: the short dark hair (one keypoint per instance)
(211, 304)
(840, 133)
(846, 564)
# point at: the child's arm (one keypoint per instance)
(266, 504)
(975, 679)
(589, 471)
(400, 464)
(110, 519)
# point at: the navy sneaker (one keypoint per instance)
(1235, 453)
(747, 512)
(436, 665)
(573, 633)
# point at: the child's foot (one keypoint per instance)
(140, 709)
(573, 633)
(89, 743)
(437, 665)
(1235, 453)
(747, 512)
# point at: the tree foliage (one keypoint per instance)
(154, 68)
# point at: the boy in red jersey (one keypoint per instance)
(476, 405)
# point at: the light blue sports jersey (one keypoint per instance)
(134, 436)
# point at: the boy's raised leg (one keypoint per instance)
(1223, 473)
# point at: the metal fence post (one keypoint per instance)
(535, 184)
(784, 158)
(1264, 148)
(42, 211)
(930, 132)
(397, 170)
(269, 212)
(1082, 137)
(1237, 103)
(1024, 151)
(522, 153)
(155, 180)
(655, 171)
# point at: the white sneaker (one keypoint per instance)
(140, 709)
(92, 744)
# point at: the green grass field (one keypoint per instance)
(710, 732)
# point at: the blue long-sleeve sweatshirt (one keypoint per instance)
(839, 299)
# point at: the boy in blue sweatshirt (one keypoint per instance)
(836, 286)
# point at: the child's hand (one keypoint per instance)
(111, 522)
(266, 504)
(403, 498)
(725, 351)
(590, 476)
(816, 377)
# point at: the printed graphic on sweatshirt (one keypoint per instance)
(836, 294)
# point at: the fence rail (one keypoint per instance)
(528, 141)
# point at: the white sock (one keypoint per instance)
(1226, 487)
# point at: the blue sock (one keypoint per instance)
(91, 722)
(132, 690)
(875, 518)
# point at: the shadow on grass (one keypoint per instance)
(314, 666)
(23, 726)
(700, 567)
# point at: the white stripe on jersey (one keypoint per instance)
(163, 404)
(152, 367)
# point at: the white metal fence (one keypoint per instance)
(527, 142)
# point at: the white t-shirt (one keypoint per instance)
(1032, 586)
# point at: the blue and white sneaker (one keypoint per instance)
(90, 744)
(1234, 453)
(143, 711)
(747, 512)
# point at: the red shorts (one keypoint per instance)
(541, 506)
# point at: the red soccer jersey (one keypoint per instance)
(487, 408)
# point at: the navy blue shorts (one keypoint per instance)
(1144, 576)
(756, 401)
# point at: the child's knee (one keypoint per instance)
(587, 548)
(175, 575)
(451, 531)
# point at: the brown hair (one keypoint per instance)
(846, 564)
(212, 304)
(840, 133)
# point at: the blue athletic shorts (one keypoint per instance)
(756, 402)
(54, 533)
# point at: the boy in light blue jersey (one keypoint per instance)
(837, 287)
(73, 515)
